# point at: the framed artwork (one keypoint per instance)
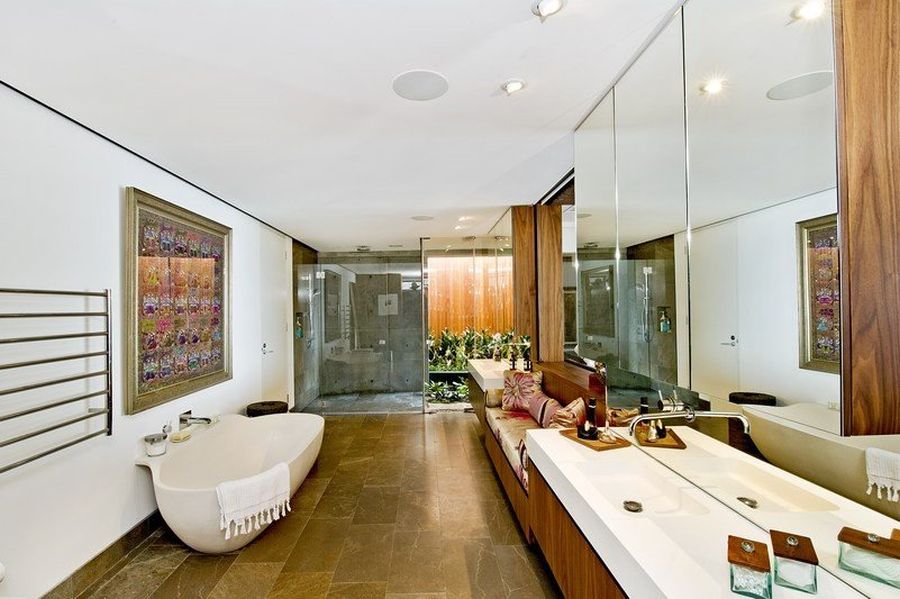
(598, 292)
(178, 303)
(820, 294)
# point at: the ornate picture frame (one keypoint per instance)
(820, 294)
(177, 302)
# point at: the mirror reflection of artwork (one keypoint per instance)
(599, 303)
(820, 339)
(332, 306)
(179, 302)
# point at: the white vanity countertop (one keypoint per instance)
(488, 373)
(677, 546)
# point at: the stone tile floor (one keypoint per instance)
(399, 506)
(366, 403)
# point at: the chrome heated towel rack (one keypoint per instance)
(41, 352)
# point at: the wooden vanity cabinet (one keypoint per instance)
(579, 571)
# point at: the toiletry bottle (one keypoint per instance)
(591, 414)
(645, 406)
(597, 383)
(665, 323)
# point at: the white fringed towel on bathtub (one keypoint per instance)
(883, 471)
(248, 503)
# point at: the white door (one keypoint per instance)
(275, 310)
(714, 310)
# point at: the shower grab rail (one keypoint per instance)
(92, 412)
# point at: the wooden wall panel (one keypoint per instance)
(550, 309)
(524, 274)
(470, 291)
(867, 45)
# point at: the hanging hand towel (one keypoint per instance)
(883, 470)
(248, 503)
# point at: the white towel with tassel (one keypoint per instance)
(883, 470)
(248, 503)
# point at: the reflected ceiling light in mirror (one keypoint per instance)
(713, 86)
(809, 10)
(801, 85)
(512, 86)
(546, 8)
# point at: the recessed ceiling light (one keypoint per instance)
(713, 86)
(420, 85)
(460, 227)
(463, 219)
(809, 10)
(802, 85)
(422, 218)
(546, 8)
(512, 86)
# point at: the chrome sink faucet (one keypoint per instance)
(186, 419)
(674, 408)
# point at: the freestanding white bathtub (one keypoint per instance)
(185, 478)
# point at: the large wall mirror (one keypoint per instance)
(707, 259)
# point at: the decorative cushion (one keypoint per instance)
(509, 429)
(542, 408)
(519, 389)
(570, 416)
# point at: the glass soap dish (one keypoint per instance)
(870, 555)
(795, 561)
(751, 573)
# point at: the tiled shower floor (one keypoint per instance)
(399, 506)
(367, 403)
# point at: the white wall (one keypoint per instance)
(767, 303)
(61, 196)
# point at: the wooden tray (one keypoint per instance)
(671, 440)
(571, 433)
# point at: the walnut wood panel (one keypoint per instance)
(470, 291)
(524, 274)
(867, 45)
(550, 309)
(566, 382)
(579, 571)
(511, 485)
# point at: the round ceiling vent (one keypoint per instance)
(420, 85)
(802, 85)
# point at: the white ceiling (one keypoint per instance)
(285, 107)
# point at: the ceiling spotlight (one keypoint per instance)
(460, 227)
(463, 219)
(422, 218)
(809, 10)
(713, 87)
(512, 86)
(546, 8)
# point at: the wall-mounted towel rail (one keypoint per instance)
(90, 315)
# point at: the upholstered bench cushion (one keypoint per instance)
(509, 429)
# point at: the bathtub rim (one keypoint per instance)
(155, 463)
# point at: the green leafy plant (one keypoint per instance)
(449, 351)
(438, 392)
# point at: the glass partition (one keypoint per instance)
(468, 310)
